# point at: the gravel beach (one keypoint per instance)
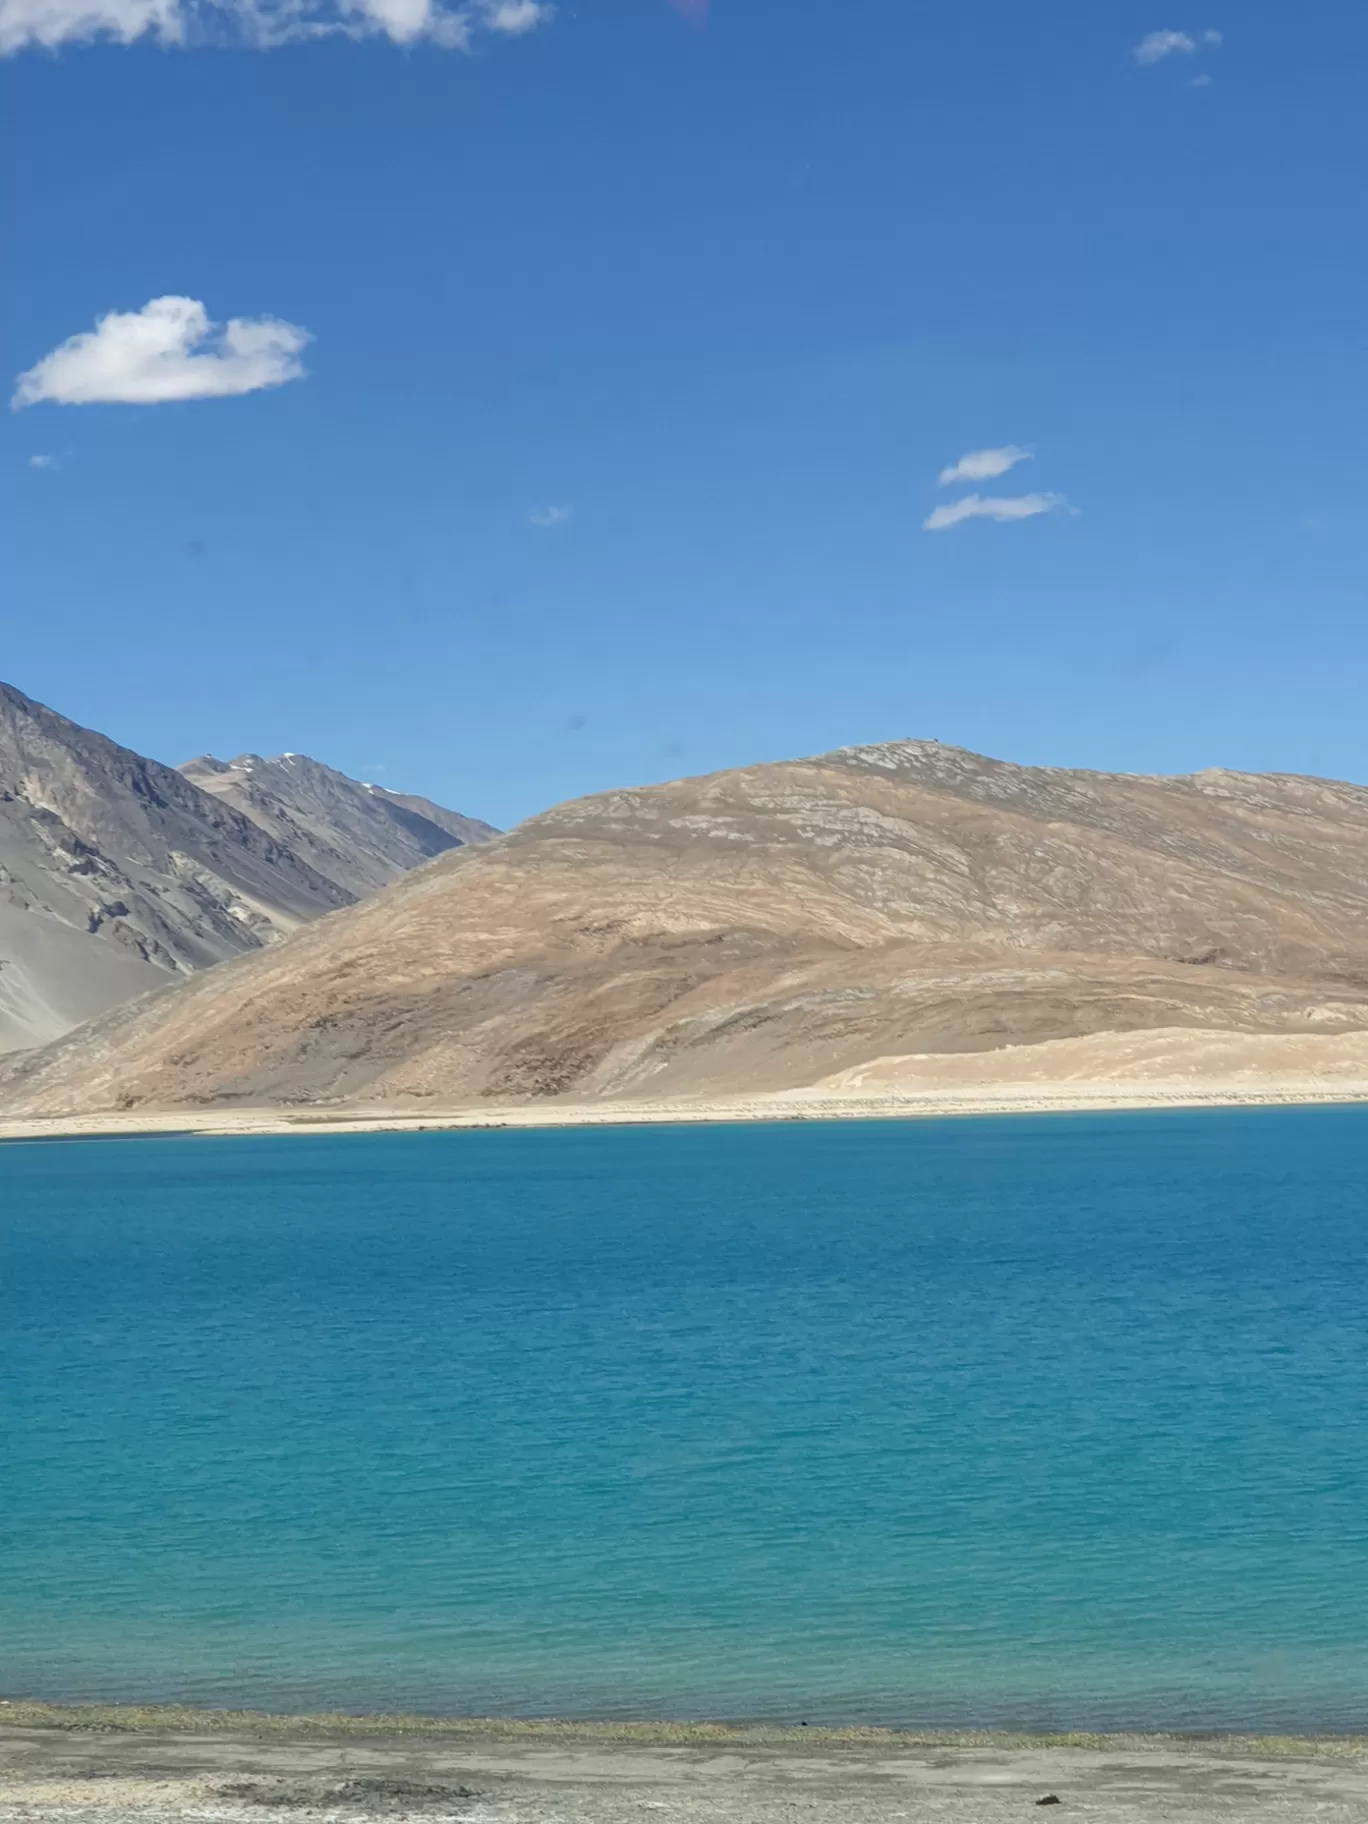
(60, 1767)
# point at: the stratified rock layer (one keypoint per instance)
(768, 928)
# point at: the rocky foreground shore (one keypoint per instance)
(113, 1767)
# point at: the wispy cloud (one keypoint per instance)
(1003, 508)
(194, 24)
(1155, 46)
(53, 22)
(514, 17)
(167, 350)
(983, 465)
(42, 462)
(552, 516)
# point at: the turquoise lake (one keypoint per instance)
(1055, 1421)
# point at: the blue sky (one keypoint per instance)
(728, 295)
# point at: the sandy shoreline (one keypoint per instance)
(1156, 1068)
(788, 1105)
(109, 1765)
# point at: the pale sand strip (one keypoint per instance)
(792, 1105)
(787, 1105)
(115, 1767)
(1170, 1068)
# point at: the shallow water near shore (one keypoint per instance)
(1035, 1422)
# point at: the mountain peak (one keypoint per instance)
(359, 835)
(118, 873)
(773, 927)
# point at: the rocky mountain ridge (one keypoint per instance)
(118, 873)
(360, 836)
(771, 927)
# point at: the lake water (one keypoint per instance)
(1045, 1421)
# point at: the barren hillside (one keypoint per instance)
(771, 927)
(118, 874)
(359, 836)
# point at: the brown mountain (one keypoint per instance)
(773, 927)
(118, 874)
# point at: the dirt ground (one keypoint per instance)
(102, 1772)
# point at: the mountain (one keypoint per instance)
(774, 927)
(359, 836)
(118, 874)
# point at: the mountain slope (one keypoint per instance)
(359, 836)
(118, 874)
(769, 927)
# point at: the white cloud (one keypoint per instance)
(983, 465)
(451, 24)
(1004, 508)
(51, 22)
(1155, 46)
(41, 462)
(553, 516)
(514, 17)
(167, 350)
